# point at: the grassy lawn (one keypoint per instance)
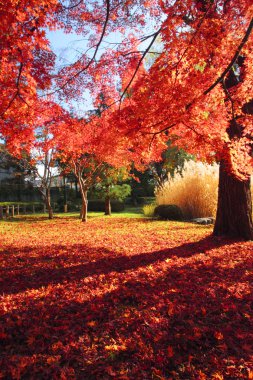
(123, 297)
(129, 212)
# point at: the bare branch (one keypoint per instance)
(230, 98)
(155, 35)
(73, 6)
(96, 50)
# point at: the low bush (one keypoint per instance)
(99, 205)
(170, 212)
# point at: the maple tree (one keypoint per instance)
(81, 151)
(38, 158)
(26, 63)
(91, 149)
(126, 289)
(198, 92)
(39, 167)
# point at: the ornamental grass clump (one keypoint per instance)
(148, 210)
(195, 191)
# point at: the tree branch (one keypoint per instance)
(73, 6)
(155, 35)
(17, 90)
(229, 67)
(96, 50)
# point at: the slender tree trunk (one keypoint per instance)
(108, 210)
(48, 204)
(84, 209)
(234, 212)
(65, 206)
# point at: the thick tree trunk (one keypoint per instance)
(234, 212)
(108, 210)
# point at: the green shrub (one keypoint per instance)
(170, 212)
(99, 205)
(117, 206)
(149, 209)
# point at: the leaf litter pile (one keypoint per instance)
(123, 299)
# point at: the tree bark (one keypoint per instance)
(108, 210)
(48, 204)
(84, 209)
(65, 206)
(234, 211)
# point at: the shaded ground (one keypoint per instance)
(123, 298)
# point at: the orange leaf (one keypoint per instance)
(170, 352)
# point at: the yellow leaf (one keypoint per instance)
(202, 376)
(217, 376)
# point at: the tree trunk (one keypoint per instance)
(234, 212)
(84, 209)
(65, 206)
(108, 210)
(48, 204)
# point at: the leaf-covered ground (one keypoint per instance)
(123, 298)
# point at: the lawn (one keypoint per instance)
(123, 298)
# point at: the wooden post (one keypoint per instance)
(24, 209)
(7, 211)
(33, 209)
(1, 212)
(13, 211)
(65, 208)
(17, 209)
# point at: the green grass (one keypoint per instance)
(129, 212)
(21, 203)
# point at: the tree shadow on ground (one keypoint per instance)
(32, 267)
(181, 313)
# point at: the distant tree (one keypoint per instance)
(40, 166)
(110, 186)
(11, 172)
(173, 160)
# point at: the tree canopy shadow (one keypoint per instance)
(31, 268)
(189, 319)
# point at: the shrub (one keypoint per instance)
(195, 192)
(99, 205)
(148, 210)
(170, 212)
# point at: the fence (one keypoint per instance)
(16, 209)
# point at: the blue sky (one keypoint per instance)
(68, 47)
